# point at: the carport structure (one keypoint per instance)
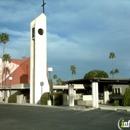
(95, 84)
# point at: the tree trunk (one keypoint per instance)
(2, 79)
(5, 74)
(112, 68)
(3, 48)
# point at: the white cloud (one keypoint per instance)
(65, 48)
(18, 41)
(79, 32)
(14, 11)
(15, 32)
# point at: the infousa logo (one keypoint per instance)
(122, 124)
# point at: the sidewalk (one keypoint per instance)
(118, 108)
(101, 107)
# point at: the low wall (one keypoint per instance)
(81, 102)
(21, 98)
(87, 98)
(78, 96)
(1, 99)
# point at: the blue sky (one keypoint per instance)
(80, 33)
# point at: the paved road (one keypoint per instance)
(15, 117)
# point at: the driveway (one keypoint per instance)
(18, 117)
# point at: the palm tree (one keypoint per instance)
(111, 56)
(112, 73)
(6, 59)
(116, 72)
(59, 81)
(55, 76)
(73, 70)
(4, 37)
(5, 72)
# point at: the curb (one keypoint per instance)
(116, 109)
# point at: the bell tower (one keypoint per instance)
(38, 58)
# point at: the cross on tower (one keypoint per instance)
(43, 5)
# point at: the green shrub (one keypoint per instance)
(116, 103)
(44, 98)
(58, 100)
(12, 99)
(126, 97)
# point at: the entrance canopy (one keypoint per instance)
(100, 80)
(95, 82)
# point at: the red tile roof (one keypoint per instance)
(20, 72)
